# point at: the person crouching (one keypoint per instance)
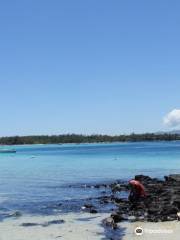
(137, 191)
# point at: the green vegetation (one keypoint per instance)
(74, 138)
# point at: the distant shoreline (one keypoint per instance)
(79, 139)
(86, 143)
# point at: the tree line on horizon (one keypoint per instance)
(78, 138)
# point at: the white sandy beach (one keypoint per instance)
(82, 226)
(152, 231)
(76, 226)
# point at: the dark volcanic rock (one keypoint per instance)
(176, 203)
(52, 222)
(173, 178)
(161, 204)
(143, 178)
(109, 222)
(88, 206)
(93, 210)
(46, 224)
(29, 224)
(118, 217)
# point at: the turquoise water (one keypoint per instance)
(39, 174)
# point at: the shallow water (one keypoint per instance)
(37, 177)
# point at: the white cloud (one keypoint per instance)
(172, 119)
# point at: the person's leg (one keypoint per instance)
(134, 199)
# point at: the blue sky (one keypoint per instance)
(93, 66)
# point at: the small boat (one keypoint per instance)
(7, 151)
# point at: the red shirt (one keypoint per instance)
(139, 188)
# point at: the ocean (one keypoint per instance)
(41, 178)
